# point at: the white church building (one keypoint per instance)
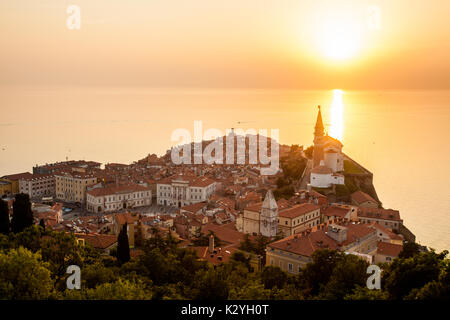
(328, 159)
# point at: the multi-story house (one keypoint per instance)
(12, 181)
(362, 199)
(387, 252)
(289, 218)
(5, 187)
(388, 218)
(117, 197)
(38, 185)
(181, 190)
(298, 218)
(294, 252)
(339, 211)
(71, 185)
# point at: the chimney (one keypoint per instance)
(211, 244)
(337, 232)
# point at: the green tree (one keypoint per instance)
(159, 267)
(210, 286)
(29, 238)
(96, 274)
(117, 290)
(317, 273)
(409, 249)
(273, 277)
(123, 247)
(364, 293)
(251, 291)
(156, 240)
(22, 213)
(240, 257)
(247, 244)
(4, 217)
(203, 240)
(61, 250)
(23, 275)
(349, 272)
(139, 238)
(436, 289)
(42, 224)
(405, 274)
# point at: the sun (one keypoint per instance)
(339, 38)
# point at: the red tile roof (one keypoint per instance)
(195, 207)
(192, 180)
(361, 197)
(335, 211)
(298, 210)
(120, 189)
(18, 176)
(389, 249)
(306, 244)
(255, 207)
(226, 232)
(127, 217)
(99, 241)
(221, 255)
(377, 213)
(388, 232)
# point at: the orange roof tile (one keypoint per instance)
(99, 241)
(361, 197)
(298, 210)
(389, 249)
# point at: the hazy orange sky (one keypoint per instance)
(233, 43)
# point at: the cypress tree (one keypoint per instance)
(123, 247)
(22, 215)
(139, 238)
(42, 223)
(4, 217)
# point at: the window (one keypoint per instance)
(290, 267)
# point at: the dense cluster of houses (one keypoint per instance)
(231, 201)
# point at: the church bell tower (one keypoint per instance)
(269, 216)
(319, 133)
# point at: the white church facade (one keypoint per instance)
(328, 159)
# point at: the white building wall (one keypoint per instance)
(115, 202)
(330, 160)
(166, 194)
(320, 180)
